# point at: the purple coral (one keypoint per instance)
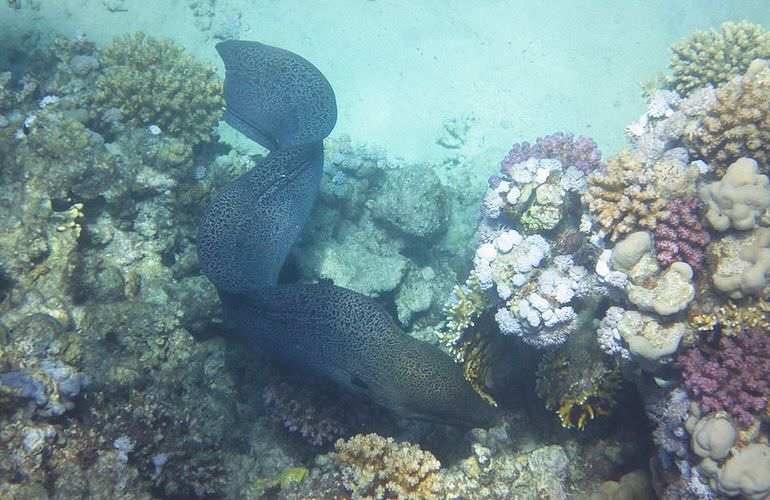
(680, 235)
(732, 377)
(300, 410)
(581, 153)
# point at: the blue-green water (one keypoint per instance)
(548, 221)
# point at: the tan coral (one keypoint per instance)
(376, 467)
(714, 57)
(624, 199)
(743, 263)
(739, 199)
(738, 124)
(733, 317)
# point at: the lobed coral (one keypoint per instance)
(733, 375)
(375, 467)
(739, 199)
(624, 198)
(153, 82)
(737, 124)
(714, 57)
(680, 235)
(743, 265)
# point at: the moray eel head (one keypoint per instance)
(427, 385)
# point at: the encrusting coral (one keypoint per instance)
(376, 467)
(153, 82)
(737, 124)
(623, 198)
(714, 57)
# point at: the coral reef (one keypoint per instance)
(319, 413)
(715, 57)
(375, 467)
(153, 83)
(534, 195)
(732, 317)
(737, 124)
(680, 236)
(742, 263)
(581, 152)
(744, 474)
(412, 202)
(623, 198)
(638, 336)
(733, 375)
(739, 199)
(578, 382)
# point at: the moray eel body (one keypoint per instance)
(283, 102)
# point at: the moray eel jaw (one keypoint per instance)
(431, 387)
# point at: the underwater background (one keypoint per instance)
(569, 200)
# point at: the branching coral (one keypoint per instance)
(623, 198)
(732, 317)
(738, 124)
(465, 305)
(680, 236)
(153, 82)
(302, 410)
(581, 152)
(732, 376)
(376, 467)
(578, 382)
(715, 56)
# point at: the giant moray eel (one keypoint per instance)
(284, 103)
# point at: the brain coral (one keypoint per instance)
(153, 82)
(738, 124)
(714, 57)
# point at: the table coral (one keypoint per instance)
(623, 198)
(731, 376)
(153, 82)
(738, 124)
(680, 235)
(714, 57)
(376, 467)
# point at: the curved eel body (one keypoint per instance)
(283, 102)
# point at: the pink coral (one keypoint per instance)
(680, 235)
(582, 153)
(733, 376)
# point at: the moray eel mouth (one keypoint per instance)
(284, 103)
